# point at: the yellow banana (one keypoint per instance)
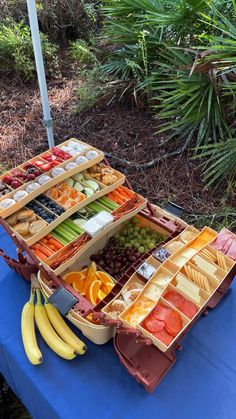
(28, 333)
(48, 333)
(63, 329)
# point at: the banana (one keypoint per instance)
(48, 333)
(28, 333)
(63, 329)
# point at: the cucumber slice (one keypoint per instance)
(78, 186)
(94, 185)
(70, 182)
(88, 191)
(79, 177)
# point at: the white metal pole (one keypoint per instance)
(34, 27)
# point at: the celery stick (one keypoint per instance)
(58, 237)
(73, 226)
(64, 233)
(68, 229)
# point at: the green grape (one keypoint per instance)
(135, 220)
(141, 249)
(127, 245)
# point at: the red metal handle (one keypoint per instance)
(106, 322)
(129, 331)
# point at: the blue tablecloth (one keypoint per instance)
(202, 383)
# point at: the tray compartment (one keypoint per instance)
(202, 294)
(194, 273)
(8, 211)
(134, 279)
(156, 341)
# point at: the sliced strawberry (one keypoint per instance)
(46, 167)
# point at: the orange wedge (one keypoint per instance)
(91, 275)
(100, 296)
(92, 291)
(104, 277)
(62, 199)
(107, 287)
(72, 277)
(79, 285)
(54, 193)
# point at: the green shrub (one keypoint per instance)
(181, 53)
(65, 20)
(92, 87)
(16, 50)
(81, 52)
(61, 20)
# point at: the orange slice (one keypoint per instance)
(78, 285)
(91, 275)
(92, 291)
(72, 193)
(107, 287)
(54, 193)
(100, 296)
(71, 277)
(69, 204)
(62, 199)
(104, 277)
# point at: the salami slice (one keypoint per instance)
(160, 312)
(152, 324)
(173, 323)
(164, 337)
(188, 308)
(174, 298)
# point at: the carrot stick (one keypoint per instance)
(36, 246)
(56, 243)
(119, 195)
(46, 251)
(44, 240)
(40, 254)
(52, 247)
(126, 191)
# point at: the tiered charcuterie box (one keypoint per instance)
(133, 270)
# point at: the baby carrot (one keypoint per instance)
(52, 247)
(40, 254)
(46, 251)
(56, 243)
(36, 246)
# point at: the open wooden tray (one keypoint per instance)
(172, 273)
(103, 191)
(4, 213)
(111, 227)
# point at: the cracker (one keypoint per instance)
(209, 255)
(193, 296)
(221, 261)
(187, 284)
(207, 286)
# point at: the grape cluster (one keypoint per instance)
(141, 238)
(115, 259)
(125, 247)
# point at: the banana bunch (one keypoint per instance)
(53, 329)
